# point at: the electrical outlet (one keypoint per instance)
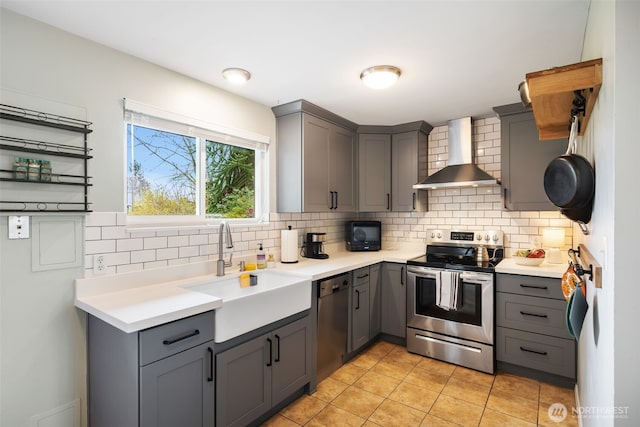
(99, 265)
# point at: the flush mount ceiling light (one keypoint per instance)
(236, 75)
(380, 76)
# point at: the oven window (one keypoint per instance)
(470, 310)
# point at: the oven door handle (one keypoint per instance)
(475, 278)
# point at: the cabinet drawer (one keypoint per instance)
(171, 338)
(529, 285)
(361, 276)
(548, 354)
(533, 314)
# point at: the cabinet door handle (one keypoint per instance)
(357, 299)
(401, 276)
(362, 277)
(210, 377)
(170, 341)
(336, 207)
(524, 313)
(541, 353)
(388, 201)
(270, 362)
(414, 200)
(504, 198)
(278, 348)
(522, 285)
(331, 197)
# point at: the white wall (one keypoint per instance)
(40, 60)
(42, 336)
(608, 371)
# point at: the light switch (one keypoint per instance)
(18, 227)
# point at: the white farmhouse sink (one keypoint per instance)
(276, 296)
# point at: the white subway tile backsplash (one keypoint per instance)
(167, 253)
(450, 208)
(155, 242)
(99, 246)
(129, 245)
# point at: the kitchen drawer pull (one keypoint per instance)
(210, 377)
(522, 285)
(182, 337)
(362, 277)
(270, 362)
(278, 348)
(524, 313)
(542, 353)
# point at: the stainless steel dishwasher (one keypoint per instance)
(333, 311)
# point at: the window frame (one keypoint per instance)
(139, 114)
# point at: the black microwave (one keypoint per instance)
(363, 235)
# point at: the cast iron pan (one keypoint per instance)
(569, 182)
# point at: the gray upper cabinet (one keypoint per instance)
(374, 172)
(409, 165)
(524, 159)
(391, 159)
(316, 154)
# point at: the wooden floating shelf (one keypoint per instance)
(552, 94)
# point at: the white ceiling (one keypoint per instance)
(457, 58)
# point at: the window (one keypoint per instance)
(183, 170)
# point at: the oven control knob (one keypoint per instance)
(479, 237)
(495, 237)
(439, 235)
(486, 237)
(433, 235)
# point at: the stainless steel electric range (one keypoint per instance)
(450, 298)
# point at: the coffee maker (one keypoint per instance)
(313, 247)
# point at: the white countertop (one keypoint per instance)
(508, 265)
(143, 299)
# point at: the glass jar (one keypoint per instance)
(34, 170)
(45, 171)
(20, 168)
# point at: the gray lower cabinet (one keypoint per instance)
(531, 330)
(162, 376)
(393, 292)
(360, 308)
(179, 390)
(375, 301)
(255, 376)
(524, 158)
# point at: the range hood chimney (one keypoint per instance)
(461, 171)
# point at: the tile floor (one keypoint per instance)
(388, 386)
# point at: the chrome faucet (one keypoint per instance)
(224, 228)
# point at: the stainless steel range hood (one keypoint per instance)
(461, 171)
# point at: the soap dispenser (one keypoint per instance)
(261, 259)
